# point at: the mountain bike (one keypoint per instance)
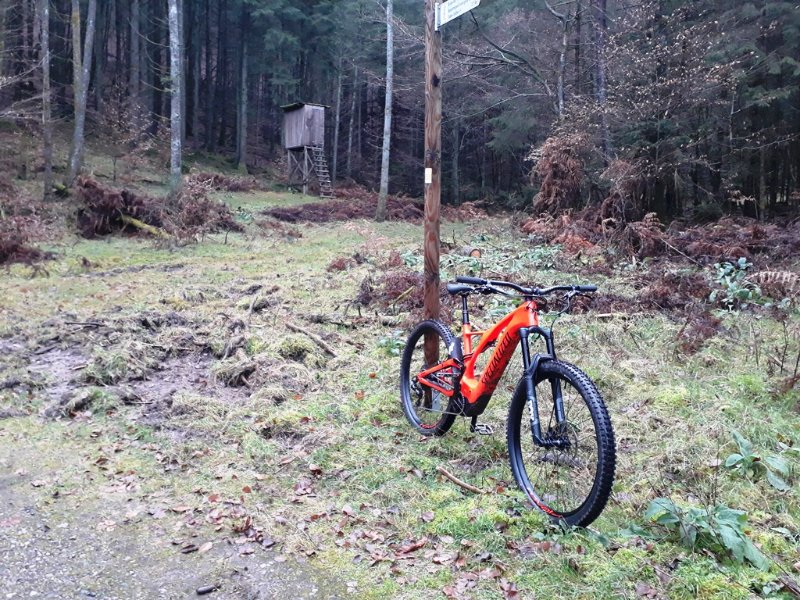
(563, 455)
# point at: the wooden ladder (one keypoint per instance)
(323, 174)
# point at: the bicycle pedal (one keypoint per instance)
(483, 429)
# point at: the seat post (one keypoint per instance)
(466, 328)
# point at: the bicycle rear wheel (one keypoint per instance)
(429, 411)
(573, 482)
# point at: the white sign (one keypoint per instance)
(428, 175)
(452, 9)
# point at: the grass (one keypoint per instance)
(334, 472)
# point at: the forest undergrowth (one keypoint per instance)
(245, 389)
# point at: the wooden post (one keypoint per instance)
(433, 179)
(433, 145)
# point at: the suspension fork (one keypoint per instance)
(531, 365)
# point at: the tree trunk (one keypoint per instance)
(600, 29)
(26, 35)
(3, 35)
(210, 87)
(82, 69)
(455, 181)
(134, 76)
(182, 33)
(564, 19)
(196, 51)
(47, 122)
(337, 123)
(103, 30)
(562, 66)
(380, 213)
(222, 70)
(578, 21)
(241, 134)
(352, 124)
(176, 80)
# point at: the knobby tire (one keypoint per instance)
(524, 462)
(410, 399)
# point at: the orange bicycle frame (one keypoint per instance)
(477, 388)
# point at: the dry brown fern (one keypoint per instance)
(777, 284)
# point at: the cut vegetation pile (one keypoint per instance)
(590, 231)
(356, 202)
(399, 209)
(20, 223)
(105, 210)
(223, 183)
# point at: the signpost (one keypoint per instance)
(447, 11)
(436, 15)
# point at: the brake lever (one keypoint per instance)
(569, 296)
(491, 289)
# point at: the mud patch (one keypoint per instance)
(58, 371)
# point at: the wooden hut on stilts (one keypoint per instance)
(304, 141)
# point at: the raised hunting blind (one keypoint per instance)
(304, 141)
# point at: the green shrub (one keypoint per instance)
(719, 529)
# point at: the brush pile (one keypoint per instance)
(729, 238)
(222, 183)
(20, 223)
(356, 202)
(192, 213)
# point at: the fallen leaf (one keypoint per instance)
(38, 483)
(247, 489)
(214, 498)
(509, 589)
(188, 549)
(427, 517)
(643, 590)
(442, 559)
(360, 395)
(205, 547)
(413, 546)
(181, 508)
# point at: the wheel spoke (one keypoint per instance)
(563, 476)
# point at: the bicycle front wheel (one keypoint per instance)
(429, 410)
(570, 482)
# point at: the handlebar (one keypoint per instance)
(488, 284)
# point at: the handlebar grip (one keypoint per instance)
(472, 280)
(586, 288)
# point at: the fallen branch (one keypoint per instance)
(85, 323)
(314, 338)
(458, 482)
(156, 231)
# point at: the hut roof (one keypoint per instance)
(298, 105)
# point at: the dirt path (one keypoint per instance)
(57, 542)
